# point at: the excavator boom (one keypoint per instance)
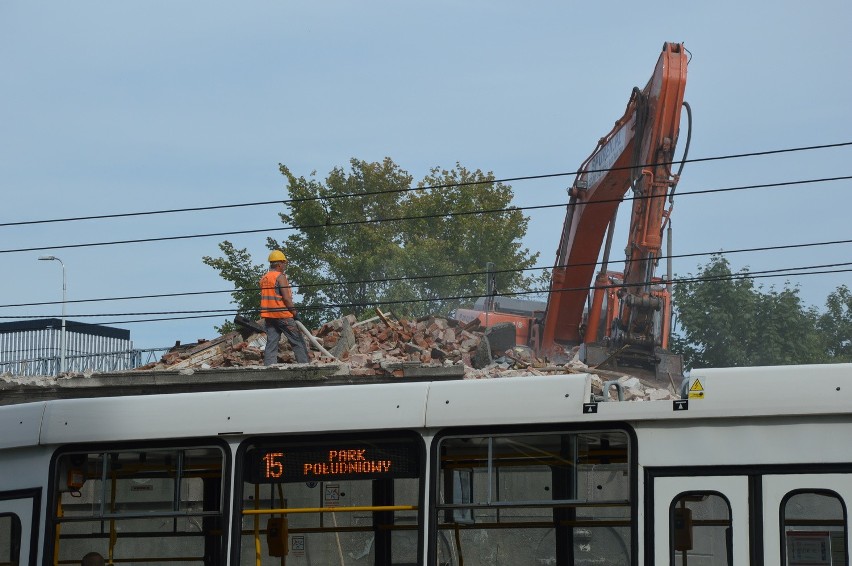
(636, 154)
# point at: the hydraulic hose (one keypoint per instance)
(685, 148)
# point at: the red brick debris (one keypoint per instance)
(385, 346)
(368, 347)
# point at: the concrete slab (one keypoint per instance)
(26, 390)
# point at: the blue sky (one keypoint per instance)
(113, 107)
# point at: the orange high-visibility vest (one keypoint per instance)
(272, 304)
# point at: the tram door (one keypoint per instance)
(16, 528)
(805, 518)
(800, 519)
(700, 521)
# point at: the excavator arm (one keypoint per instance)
(636, 154)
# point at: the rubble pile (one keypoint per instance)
(374, 346)
(385, 346)
(228, 350)
(369, 347)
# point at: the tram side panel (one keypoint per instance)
(23, 481)
(740, 488)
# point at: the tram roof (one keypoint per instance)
(266, 403)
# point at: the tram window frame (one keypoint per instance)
(785, 522)
(577, 533)
(685, 522)
(384, 550)
(211, 523)
(13, 540)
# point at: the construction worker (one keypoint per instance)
(278, 311)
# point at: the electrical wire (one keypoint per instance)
(406, 218)
(423, 188)
(381, 303)
(785, 272)
(299, 288)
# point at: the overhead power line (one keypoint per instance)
(520, 293)
(407, 189)
(299, 288)
(329, 224)
(210, 313)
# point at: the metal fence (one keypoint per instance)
(34, 347)
(101, 362)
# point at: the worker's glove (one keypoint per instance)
(295, 316)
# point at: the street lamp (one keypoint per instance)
(62, 339)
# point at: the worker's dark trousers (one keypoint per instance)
(275, 327)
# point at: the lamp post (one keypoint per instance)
(62, 338)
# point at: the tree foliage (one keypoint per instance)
(461, 244)
(392, 244)
(237, 267)
(836, 325)
(723, 320)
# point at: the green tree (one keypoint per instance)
(788, 331)
(388, 243)
(344, 250)
(461, 244)
(714, 295)
(836, 325)
(723, 320)
(237, 267)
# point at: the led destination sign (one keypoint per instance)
(321, 463)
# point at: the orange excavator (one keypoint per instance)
(627, 318)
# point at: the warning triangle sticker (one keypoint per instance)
(696, 386)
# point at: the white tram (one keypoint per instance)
(754, 467)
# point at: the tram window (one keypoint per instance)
(118, 502)
(700, 530)
(538, 498)
(10, 539)
(344, 500)
(814, 528)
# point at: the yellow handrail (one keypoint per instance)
(131, 560)
(113, 534)
(281, 497)
(59, 514)
(257, 549)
